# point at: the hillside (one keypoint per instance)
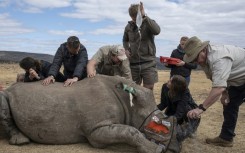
(14, 57)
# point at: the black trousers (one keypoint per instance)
(230, 112)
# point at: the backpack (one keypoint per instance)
(162, 130)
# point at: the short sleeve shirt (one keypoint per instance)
(225, 65)
(105, 65)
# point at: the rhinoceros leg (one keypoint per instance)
(118, 133)
(16, 137)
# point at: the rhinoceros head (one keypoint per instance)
(146, 117)
(142, 104)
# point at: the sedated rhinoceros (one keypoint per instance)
(98, 111)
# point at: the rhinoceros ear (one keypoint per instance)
(126, 88)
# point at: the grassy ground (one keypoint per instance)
(210, 125)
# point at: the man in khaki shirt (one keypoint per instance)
(224, 65)
(109, 60)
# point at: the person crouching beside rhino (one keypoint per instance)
(35, 70)
(176, 98)
(109, 60)
(73, 55)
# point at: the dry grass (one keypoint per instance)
(8, 73)
(209, 127)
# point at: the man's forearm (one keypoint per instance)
(213, 96)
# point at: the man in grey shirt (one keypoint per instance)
(224, 65)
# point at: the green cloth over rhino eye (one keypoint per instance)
(129, 89)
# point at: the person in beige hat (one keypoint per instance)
(224, 65)
(109, 60)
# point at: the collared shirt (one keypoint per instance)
(225, 65)
(107, 67)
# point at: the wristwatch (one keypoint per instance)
(201, 107)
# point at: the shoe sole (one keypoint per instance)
(220, 144)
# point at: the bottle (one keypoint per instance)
(139, 18)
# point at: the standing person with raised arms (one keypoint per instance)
(138, 40)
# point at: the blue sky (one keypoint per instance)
(40, 26)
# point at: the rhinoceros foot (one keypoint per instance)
(18, 139)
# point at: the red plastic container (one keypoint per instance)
(169, 60)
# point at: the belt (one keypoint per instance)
(140, 63)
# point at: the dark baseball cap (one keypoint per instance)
(73, 42)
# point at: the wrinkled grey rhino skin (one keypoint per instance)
(93, 110)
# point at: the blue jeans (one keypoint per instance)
(230, 112)
(188, 79)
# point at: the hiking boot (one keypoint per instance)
(217, 141)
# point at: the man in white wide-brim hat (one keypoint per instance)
(224, 65)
